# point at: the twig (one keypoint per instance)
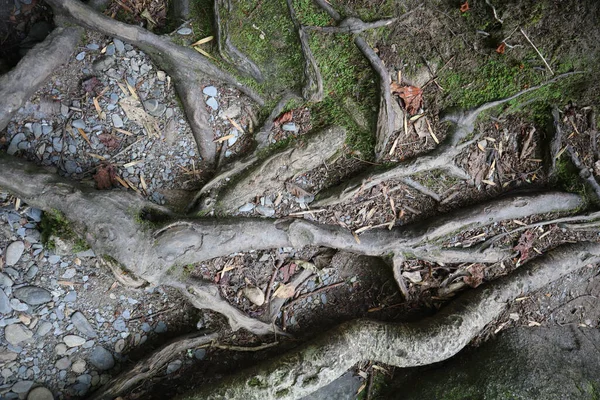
(153, 314)
(536, 50)
(272, 281)
(242, 348)
(317, 291)
(494, 10)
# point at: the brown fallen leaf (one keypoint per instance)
(476, 275)
(284, 117)
(411, 96)
(296, 190)
(105, 177)
(464, 7)
(110, 141)
(284, 291)
(525, 244)
(91, 85)
(501, 48)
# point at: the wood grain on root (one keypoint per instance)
(319, 362)
(19, 84)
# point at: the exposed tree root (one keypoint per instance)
(584, 172)
(319, 362)
(17, 86)
(150, 366)
(185, 65)
(227, 50)
(441, 158)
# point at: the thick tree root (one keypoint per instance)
(441, 158)
(185, 65)
(316, 364)
(19, 84)
(227, 50)
(150, 366)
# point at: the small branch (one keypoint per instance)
(353, 25)
(316, 291)
(420, 188)
(537, 51)
(243, 348)
(494, 10)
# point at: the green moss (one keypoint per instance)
(54, 223)
(310, 14)
(256, 382)
(567, 177)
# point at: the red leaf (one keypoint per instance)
(105, 177)
(411, 96)
(501, 48)
(464, 7)
(525, 244)
(476, 276)
(284, 117)
(91, 85)
(110, 141)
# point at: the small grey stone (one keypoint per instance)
(117, 121)
(119, 45)
(104, 63)
(33, 295)
(18, 306)
(7, 356)
(5, 307)
(82, 325)
(71, 297)
(44, 328)
(154, 108)
(289, 127)
(17, 333)
(92, 46)
(120, 346)
(14, 253)
(200, 354)
(86, 254)
(266, 211)
(161, 327)
(120, 325)
(71, 166)
(185, 31)
(22, 387)
(15, 142)
(63, 363)
(54, 259)
(173, 366)
(78, 123)
(5, 281)
(210, 91)
(78, 366)
(212, 103)
(80, 56)
(69, 273)
(146, 327)
(40, 393)
(73, 340)
(102, 358)
(246, 207)
(37, 128)
(110, 50)
(35, 214)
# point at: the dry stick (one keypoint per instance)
(272, 281)
(536, 50)
(317, 291)
(242, 348)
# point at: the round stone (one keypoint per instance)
(40, 393)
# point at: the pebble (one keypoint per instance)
(5, 281)
(212, 103)
(69, 273)
(119, 45)
(117, 121)
(266, 211)
(255, 295)
(92, 46)
(18, 306)
(73, 340)
(33, 295)
(53, 259)
(40, 393)
(200, 354)
(80, 56)
(7, 356)
(289, 127)
(17, 333)
(102, 358)
(173, 366)
(22, 387)
(63, 363)
(14, 252)
(161, 327)
(110, 50)
(15, 143)
(246, 207)
(44, 328)
(5, 307)
(120, 346)
(82, 325)
(120, 325)
(154, 108)
(79, 366)
(185, 31)
(210, 91)
(71, 297)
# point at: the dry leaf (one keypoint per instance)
(105, 177)
(476, 275)
(108, 140)
(284, 291)
(136, 113)
(296, 190)
(202, 41)
(464, 7)
(411, 96)
(525, 244)
(284, 117)
(91, 85)
(501, 48)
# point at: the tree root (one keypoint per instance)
(441, 158)
(185, 65)
(150, 366)
(19, 84)
(584, 172)
(227, 50)
(319, 362)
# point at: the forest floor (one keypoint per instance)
(78, 124)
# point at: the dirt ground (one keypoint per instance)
(460, 57)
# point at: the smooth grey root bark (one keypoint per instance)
(315, 364)
(19, 84)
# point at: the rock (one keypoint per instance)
(92, 46)
(15, 142)
(173, 366)
(14, 251)
(289, 127)
(5, 281)
(33, 295)
(80, 56)
(266, 211)
(17, 333)
(22, 387)
(110, 50)
(119, 45)
(73, 340)
(255, 295)
(117, 121)
(185, 31)
(7, 356)
(200, 354)
(5, 307)
(82, 325)
(103, 63)
(78, 124)
(18, 306)
(101, 358)
(71, 167)
(154, 108)
(246, 207)
(53, 259)
(71, 297)
(69, 273)
(120, 325)
(161, 327)
(44, 328)
(210, 91)
(231, 141)
(63, 363)
(233, 111)
(212, 103)
(78, 366)
(120, 346)
(60, 349)
(40, 393)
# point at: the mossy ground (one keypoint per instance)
(55, 224)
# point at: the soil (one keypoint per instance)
(436, 47)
